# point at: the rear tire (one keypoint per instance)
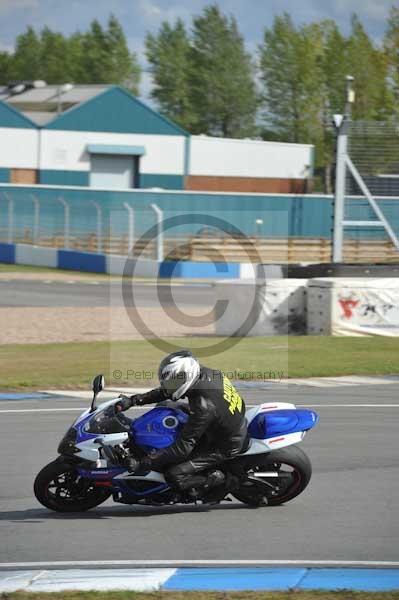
(296, 471)
(58, 487)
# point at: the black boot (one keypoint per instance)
(215, 478)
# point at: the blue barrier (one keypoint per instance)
(7, 253)
(81, 261)
(199, 270)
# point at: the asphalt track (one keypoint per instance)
(349, 512)
(16, 292)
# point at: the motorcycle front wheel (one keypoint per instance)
(59, 487)
(275, 478)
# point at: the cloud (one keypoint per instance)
(7, 6)
(367, 9)
(153, 13)
(149, 10)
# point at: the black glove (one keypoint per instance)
(126, 402)
(144, 466)
(138, 467)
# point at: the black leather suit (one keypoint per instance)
(216, 430)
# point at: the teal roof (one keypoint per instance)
(115, 111)
(9, 117)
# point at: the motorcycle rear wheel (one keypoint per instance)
(58, 487)
(295, 471)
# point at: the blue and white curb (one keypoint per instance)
(202, 579)
(26, 254)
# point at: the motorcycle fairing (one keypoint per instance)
(119, 480)
(267, 424)
(158, 428)
(275, 425)
(85, 440)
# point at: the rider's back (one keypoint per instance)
(214, 394)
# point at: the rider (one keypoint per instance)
(216, 428)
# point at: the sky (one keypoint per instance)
(141, 16)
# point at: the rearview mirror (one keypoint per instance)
(98, 384)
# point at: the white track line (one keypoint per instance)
(219, 563)
(81, 408)
(41, 410)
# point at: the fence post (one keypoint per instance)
(342, 123)
(159, 215)
(339, 198)
(66, 221)
(131, 226)
(36, 202)
(99, 226)
(10, 232)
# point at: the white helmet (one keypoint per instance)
(177, 373)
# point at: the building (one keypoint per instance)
(101, 136)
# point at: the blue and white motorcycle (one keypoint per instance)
(271, 469)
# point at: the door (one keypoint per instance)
(112, 172)
(23, 176)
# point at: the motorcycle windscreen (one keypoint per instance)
(278, 422)
(159, 428)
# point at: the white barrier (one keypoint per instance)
(143, 268)
(258, 308)
(353, 306)
(26, 254)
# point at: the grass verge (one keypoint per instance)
(10, 268)
(201, 596)
(135, 363)
(7, 268)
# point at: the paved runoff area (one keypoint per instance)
(74, 311)
(71, 291)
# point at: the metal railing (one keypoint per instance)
(58, 223)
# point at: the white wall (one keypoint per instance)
(18, 148)
(115, 265)
(68, 150)
(26, 254)
(248, 158)
(272, 307)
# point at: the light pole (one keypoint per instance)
(341, 123)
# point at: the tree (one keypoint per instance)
(105, 57)
(334, 65)
(122, 64)
(27, 59)
(223, 94)
(391, 47)
(370, 68)
(94, 59)
(97, 56)
(169, 54)
(291, 72)
(55, 58)
(5, 68)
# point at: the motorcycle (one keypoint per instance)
(270, 470)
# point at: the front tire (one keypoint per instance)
(58, 487)
(294, 472)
